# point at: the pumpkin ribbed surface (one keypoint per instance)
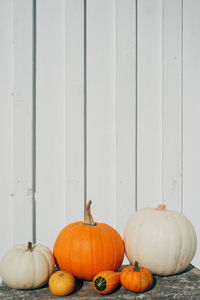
(161, 240)
(27, 266)
(84, 250)
(106, 282)
(136, 279)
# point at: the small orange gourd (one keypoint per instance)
(136, 279)
(106, 282)
(86, 248)
(62, 283)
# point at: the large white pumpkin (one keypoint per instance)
(162, 240)
(27, 266)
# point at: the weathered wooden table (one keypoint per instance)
(182, 286)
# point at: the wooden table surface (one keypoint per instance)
(182, 286)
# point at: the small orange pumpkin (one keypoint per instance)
(106, 282)
(62, 283)
(136, 279)
(86, 248)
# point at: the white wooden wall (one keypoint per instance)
(99, 100)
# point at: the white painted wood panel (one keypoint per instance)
(101, 109)
(117, 113)
(6, 130)
(23, 189)
(149, 103)
(74, 118)
(172, 103)
(125, 111)
(50, 131)
(191, 115)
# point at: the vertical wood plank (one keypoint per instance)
(50, 144)
(172, 104)
(6, 130)
(125, 111)
(75, 171)
(191, 113)
(149, 99)
(23, 190)
(101, 107)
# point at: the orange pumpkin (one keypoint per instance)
(136, 279)
(62, 283)
(86, 248)
(106, 282)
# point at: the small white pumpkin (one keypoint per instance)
(161, 240)
(27, 266)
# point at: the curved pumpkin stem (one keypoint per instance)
(88, 219)
(161, 207)
(136, 267)
(30, 246)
